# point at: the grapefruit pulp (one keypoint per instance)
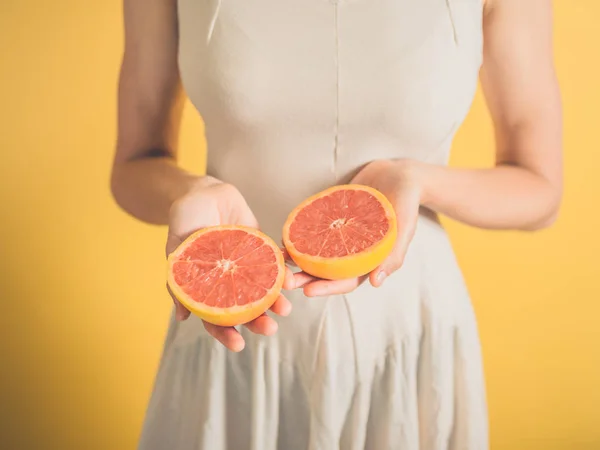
(342, 232)
(226, 275)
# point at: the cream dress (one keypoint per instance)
(296, 95)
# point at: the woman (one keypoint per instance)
(298, 96)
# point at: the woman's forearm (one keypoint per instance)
(147, 187)
(503, 197)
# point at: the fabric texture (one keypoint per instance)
(296, 96)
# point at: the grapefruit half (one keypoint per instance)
(226, 275)
(342, 232)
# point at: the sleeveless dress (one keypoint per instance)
(295, 96)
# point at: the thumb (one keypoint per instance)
(250, 221)
(407, 214)
(395, 260)
(389, 266)
(247, 218)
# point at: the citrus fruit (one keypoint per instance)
(226, 275)
(342, 232)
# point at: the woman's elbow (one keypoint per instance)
(549, 213)
(542, 224)
(117, 185)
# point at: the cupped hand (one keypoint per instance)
(216, 203)
(398, 182)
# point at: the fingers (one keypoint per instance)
(317, 287)
(396, 258)
(378, 276)
(326, 287)
(301, 279)
(289, 281)
(390, 265)
(282, 306)
(263, 324)
(228, 336)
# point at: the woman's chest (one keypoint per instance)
(405, 66)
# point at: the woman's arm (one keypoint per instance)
(145, 178)
(146, 181)
(523, 191)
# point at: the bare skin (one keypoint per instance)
(522, 191)
(146, 180)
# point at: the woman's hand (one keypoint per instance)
(398, 181)
(215, 203)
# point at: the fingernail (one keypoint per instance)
(380, 277)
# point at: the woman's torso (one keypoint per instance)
(297, 95)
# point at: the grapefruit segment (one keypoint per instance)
(342, 232)
(226, 275)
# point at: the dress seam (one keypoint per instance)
(337, 95)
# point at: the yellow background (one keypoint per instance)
(84, 312)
